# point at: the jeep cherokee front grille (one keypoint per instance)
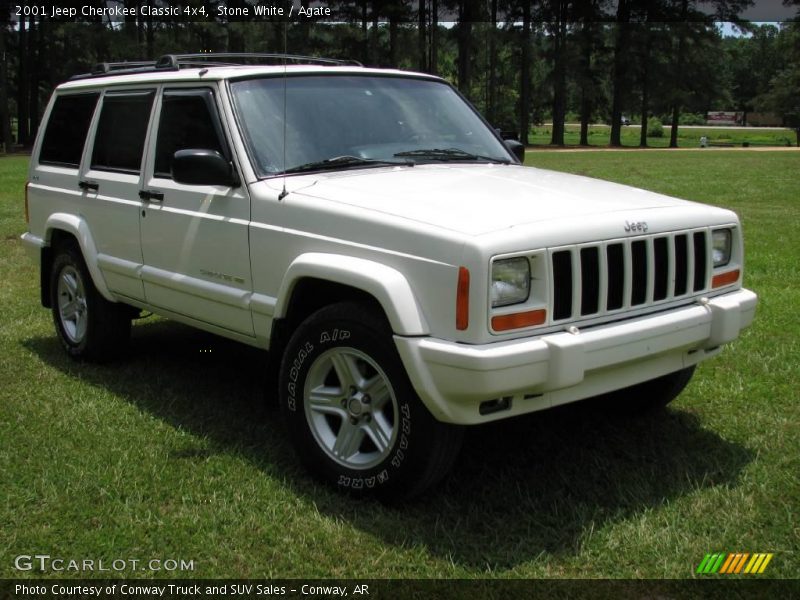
(600, 278)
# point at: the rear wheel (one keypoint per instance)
(649, 396)
(88, 325)
(353, 416)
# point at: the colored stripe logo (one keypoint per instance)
(734, 562)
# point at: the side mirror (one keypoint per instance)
(203, 167)
(517, 149)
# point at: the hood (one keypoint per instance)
(480, 199)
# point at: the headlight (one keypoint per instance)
(511, 281)
(721, 245)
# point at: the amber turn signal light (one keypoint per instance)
(27, 212)
(519, 320)
(725, 278)
(462, 299)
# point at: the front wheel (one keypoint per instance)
(352, 414)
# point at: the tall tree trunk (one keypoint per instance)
(559, 77)
(234, 30)
(129, 20)
(45, 50)
(23, 91)
(465, 47)
(393, 39)
(645, 106)
(5, 117)
(491, 83)
(374, 39)
(99, 41)
(34, 40)
(433, 63)
(364, 33)
(150, 35)
(619, 80)
(525, 74)
(140, 31)
(678, 77)
(422, 50)
(587, 87)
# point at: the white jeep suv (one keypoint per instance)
(407, 274)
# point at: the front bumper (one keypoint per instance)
(533, 374)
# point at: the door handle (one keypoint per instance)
(88, 185)
(151, 195)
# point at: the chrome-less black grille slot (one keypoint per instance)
(638, 272)
(661, 265)
(590, 280)
(681, 264)
(699, 261)
(616, 276)
(562, 285)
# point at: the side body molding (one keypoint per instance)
(80, 229)
(387, 285)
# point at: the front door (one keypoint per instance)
(194, 237)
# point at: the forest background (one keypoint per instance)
(522, 63)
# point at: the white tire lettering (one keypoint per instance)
(336, 334)
(294, 373)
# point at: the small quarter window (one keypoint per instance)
(121, 131)
(188, 120)
(66, 130)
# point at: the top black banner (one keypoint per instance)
(426, 12)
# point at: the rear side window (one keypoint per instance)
(121, 131)
(66, 130)
(188, 120)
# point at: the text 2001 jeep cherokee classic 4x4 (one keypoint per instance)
(375, 234)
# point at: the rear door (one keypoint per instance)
(109, 182)
(194, 237)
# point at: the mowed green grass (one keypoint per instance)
(174, 452)
(688, 137)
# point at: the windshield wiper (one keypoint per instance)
(446, 154)
(345, 161)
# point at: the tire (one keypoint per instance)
(351, 412)
(649, 396)
(89, 326)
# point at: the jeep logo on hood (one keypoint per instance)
(634, 226)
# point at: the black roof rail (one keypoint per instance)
(256, 58)
(104, 69)
(107, 67)
(174, 62)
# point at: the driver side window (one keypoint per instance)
(188, 120)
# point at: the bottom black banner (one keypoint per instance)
(396, 588)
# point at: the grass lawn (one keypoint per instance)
(688, 137)
(172, 453)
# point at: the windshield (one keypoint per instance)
(378, 119)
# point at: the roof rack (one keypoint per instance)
(205, 59)
(174, 62)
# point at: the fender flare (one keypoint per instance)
(387, 285)
(79, 228)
